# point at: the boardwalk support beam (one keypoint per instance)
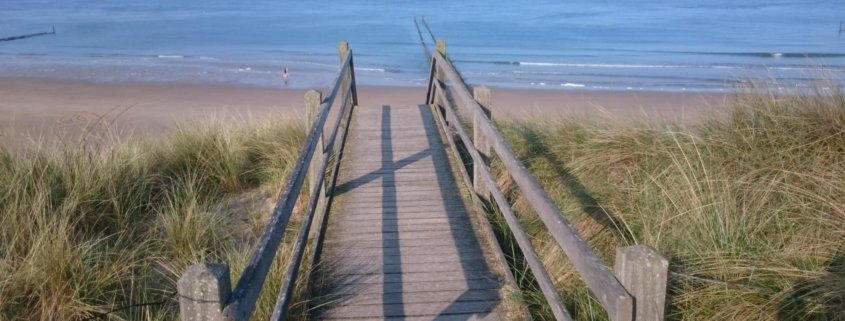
(203, 290)
(483, 97)
(644, 273)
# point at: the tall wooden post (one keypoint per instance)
(439, 75)
(482, 95)
(313, 102)
(342, 49)
(203, 290)
(441, 48)
(644, 274)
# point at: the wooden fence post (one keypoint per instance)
(644, 274)
(313, 101)
(342, 49)
(441, 47)
(482, 95)
(203, 290)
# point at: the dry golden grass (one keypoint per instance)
(89, 228)
(754, 200)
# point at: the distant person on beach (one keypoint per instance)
(285, 75)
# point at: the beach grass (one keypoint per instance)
(748, 205)
(102, 231)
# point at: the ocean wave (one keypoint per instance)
(171, 56)
(789, 67)
(566, 64)
(575, 85)
(377, 69)
(774, 54)
(597, 65)
(371, 69)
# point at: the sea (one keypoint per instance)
(655, 45)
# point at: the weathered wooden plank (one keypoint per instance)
(394, 227)
(346, 281)
(372, 157)
(413, 309)
(396, 213)
(372, 258)
(400, 192)
(399, 242)
(407, 239)
(368, 161)
(341, 252)
(412, 297)
(427, 286)
(355, 258)
(405, 236)
(439, 220)
(399, 174)
(422, 222)
(443, 317)
(406, 193)
(400, 205)
(371, 246)
(380, 183)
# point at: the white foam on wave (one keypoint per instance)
(170, 56)
(569, 84)
(743, 67)
(557, 64)
(371, 69)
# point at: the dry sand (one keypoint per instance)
(37, 109)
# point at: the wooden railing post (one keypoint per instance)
(441, 47)
(482, 95)
(203, 290)
(313, 101)
(342, 49)
(644, 274)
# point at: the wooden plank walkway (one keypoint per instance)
(400, 244)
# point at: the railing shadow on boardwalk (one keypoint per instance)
(443, 180)
(340, 287)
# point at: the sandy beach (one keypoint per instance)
(36, 109)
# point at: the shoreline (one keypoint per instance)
(35, 109)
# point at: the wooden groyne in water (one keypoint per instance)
(53, 32)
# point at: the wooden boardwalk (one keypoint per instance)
(400, 243)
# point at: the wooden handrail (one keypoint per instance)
(196, 301)
(540, 273)
(611, 294)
